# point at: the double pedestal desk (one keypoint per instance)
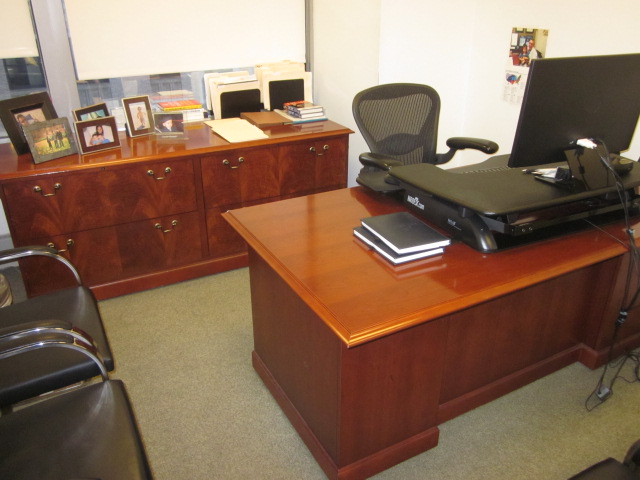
(367, 359)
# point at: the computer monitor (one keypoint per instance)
(570, 98)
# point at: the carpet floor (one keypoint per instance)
(184, 352)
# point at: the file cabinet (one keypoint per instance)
(148, 214)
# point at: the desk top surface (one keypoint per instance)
(309, 242)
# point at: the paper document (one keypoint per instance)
(235, 130)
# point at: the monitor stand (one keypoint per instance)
(491, 234)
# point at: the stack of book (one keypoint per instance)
(305, 111)
(191, 109)
(401, 237)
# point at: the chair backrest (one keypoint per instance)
(399, 120)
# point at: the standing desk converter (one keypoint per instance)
(367, 359)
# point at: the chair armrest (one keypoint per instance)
(379, 161)
(9, 330)
(461, 143)
(23, 342)
(14, 254)
(61, 327)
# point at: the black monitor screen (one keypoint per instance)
(567, 99)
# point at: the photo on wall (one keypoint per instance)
(527, 45)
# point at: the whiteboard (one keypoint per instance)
(121, 38)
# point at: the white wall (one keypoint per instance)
(459, 48)
(346, 38)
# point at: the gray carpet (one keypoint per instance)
(184, 354)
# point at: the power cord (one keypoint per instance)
(604, 391)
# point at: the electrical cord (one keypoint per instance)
(603, 392)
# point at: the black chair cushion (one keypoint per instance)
(85, 433)
(33, 373)
(609, 469)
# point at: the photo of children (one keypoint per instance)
(97, 135)
(50, 139)
(139, 115)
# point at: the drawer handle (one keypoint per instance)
(228, 163)
(167, 171)
(70, 244)
(324, 149)
(159, 226)
(56, 187)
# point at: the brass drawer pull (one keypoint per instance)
(56, 187)
(159, 226)
(70, 244)
(324, 149)
(167, 171)
(228, 163)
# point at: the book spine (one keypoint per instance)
(293, 113)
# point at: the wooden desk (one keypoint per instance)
(367, 359)
(148, 213)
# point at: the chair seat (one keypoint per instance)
(87, 433)
(609, 469)
(34, 373)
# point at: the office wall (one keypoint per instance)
(345, 46)
(459, 48)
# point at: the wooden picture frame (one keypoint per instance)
(97, 134)
(17, 112)
(139, 116)
(92, 112)
(50, 139)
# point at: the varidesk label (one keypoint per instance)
(415, 201)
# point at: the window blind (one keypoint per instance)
(17, 39)
(122, 38)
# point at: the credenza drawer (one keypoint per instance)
(107, 254)
(240, 176)
(44, 205)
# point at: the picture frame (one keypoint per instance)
(92, 112)
(169, 124)
(17, 112)
(50, 139)
(139, 115)
(97, 134)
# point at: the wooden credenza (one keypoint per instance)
(148, 213)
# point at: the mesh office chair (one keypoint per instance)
(399, 122)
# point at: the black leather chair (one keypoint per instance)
(68, 320)
(399, 122)
(612, 469)
(85, 433)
